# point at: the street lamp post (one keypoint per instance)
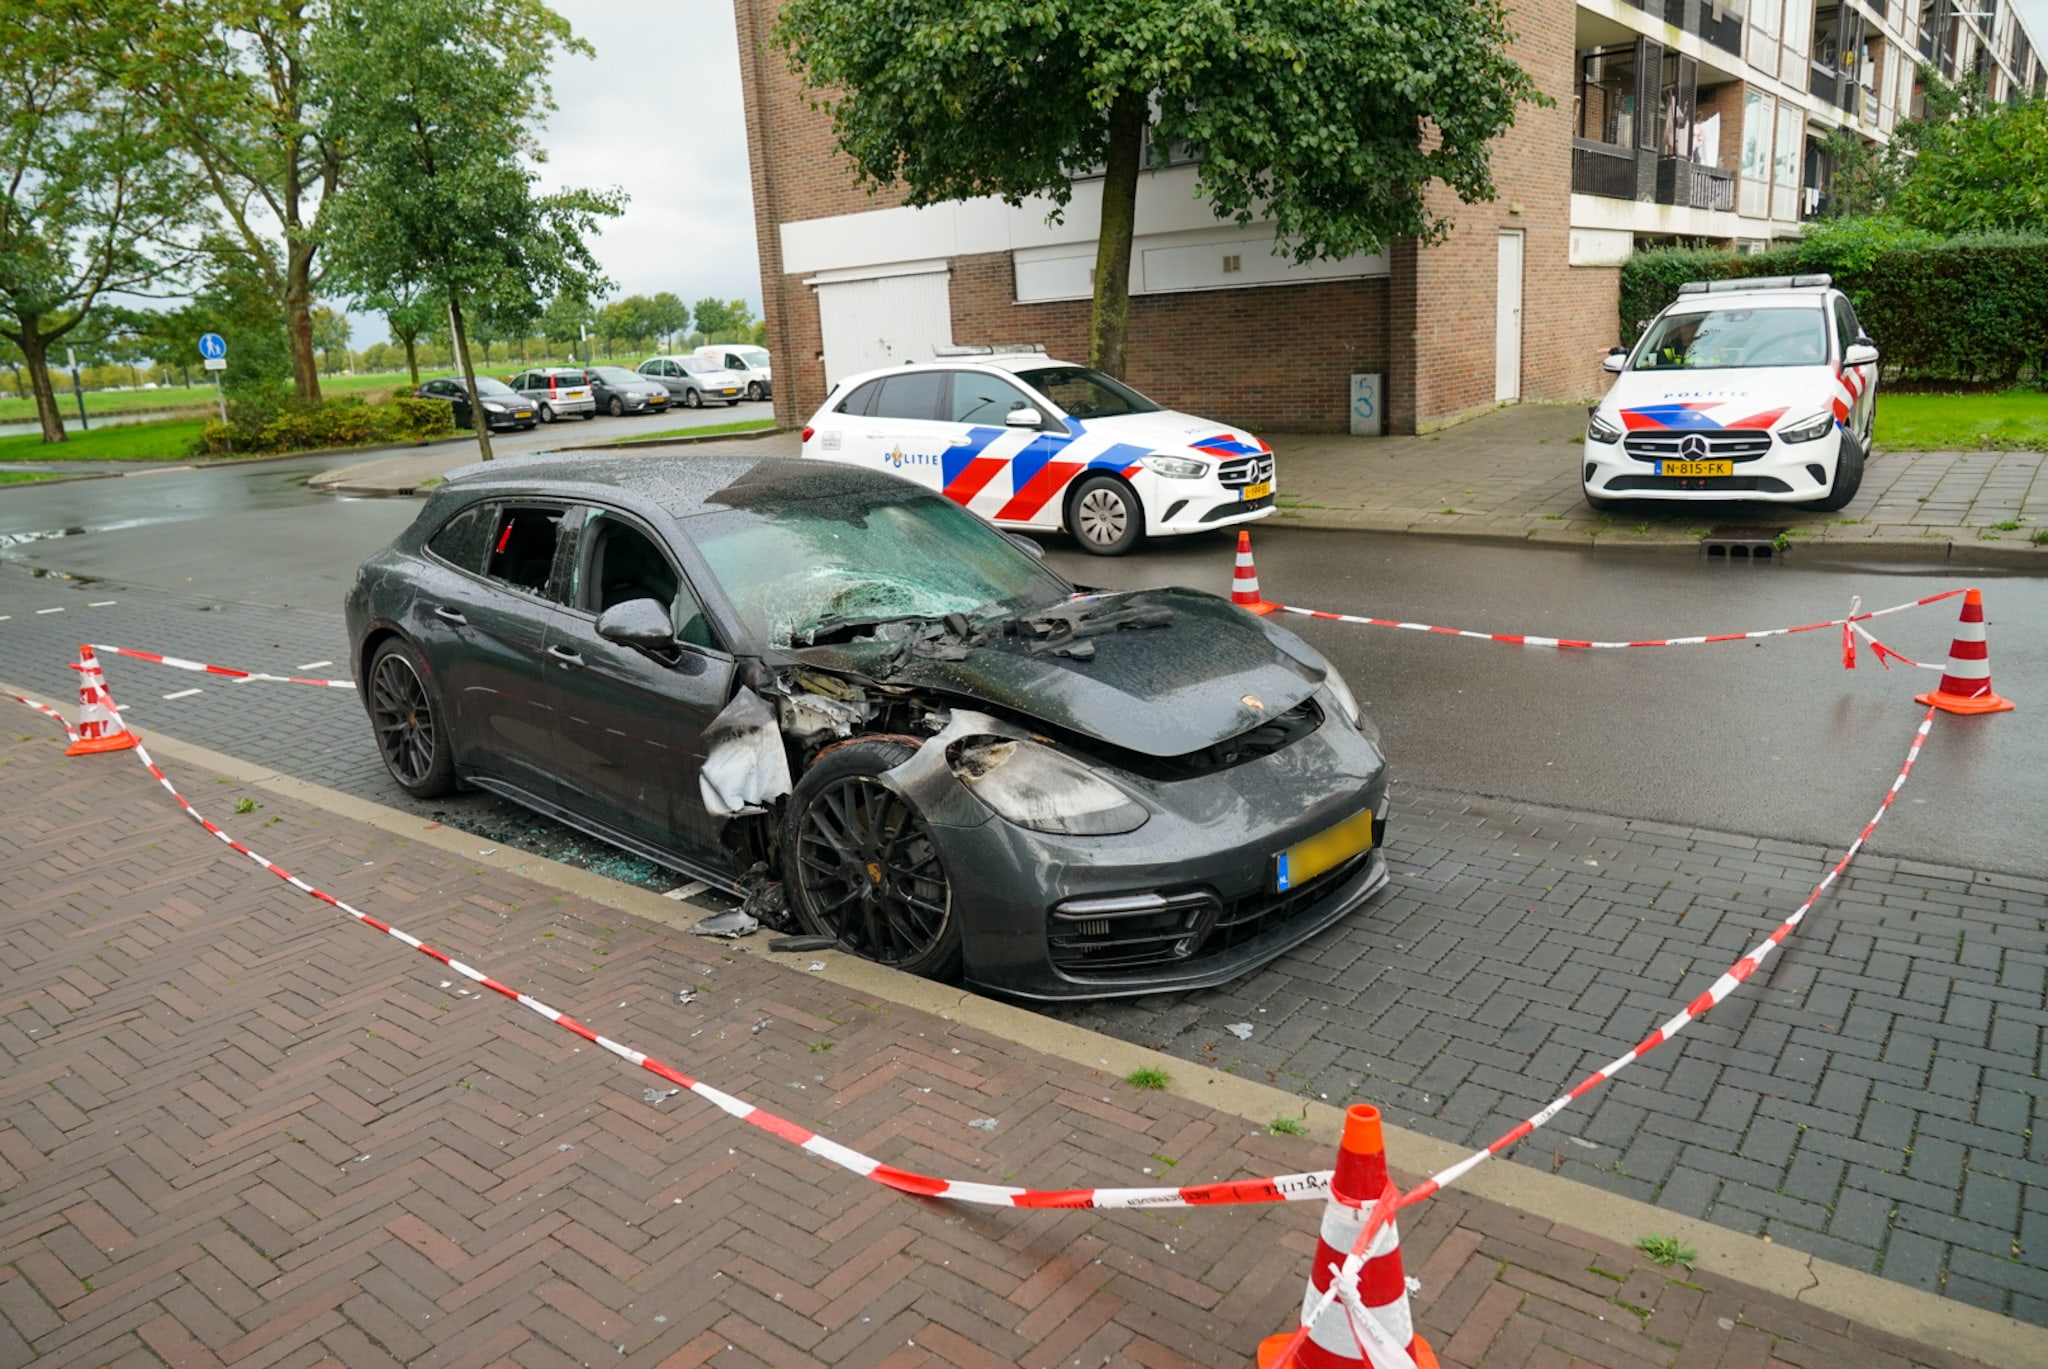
(77, 391)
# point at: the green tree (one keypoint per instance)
(566, 317)
(725, 320)
(330, 336)
(435, 103)
(1331, 117)
(92, 200)
(1975, 166)
(236, 83)
(412, 312)
(668, 316)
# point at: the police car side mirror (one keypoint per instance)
(1615, 360)
(1026, 417)
(1861, 352)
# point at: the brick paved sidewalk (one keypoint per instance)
(236, 1128)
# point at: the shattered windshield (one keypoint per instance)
(796, 570)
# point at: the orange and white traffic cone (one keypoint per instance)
(1338, 1338)
(1966, 684)
(99, 723)
(1244, 582)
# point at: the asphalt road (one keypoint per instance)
(1873, 1097)
(1769, 738)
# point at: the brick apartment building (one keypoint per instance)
(1674, 120)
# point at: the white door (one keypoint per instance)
(886, 321)
(1507, 327)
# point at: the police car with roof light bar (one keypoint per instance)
(1032, 443)
(1759, 389)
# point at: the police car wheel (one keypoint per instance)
(1104, 516)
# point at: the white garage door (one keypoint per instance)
(883, 321)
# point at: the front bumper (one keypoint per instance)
(1764, 467)
(1210, 849)
(1174, 508)
(520, 418)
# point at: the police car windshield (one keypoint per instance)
(1713, 339)
(1082, 393)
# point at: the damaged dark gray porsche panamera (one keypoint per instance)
(954, 761)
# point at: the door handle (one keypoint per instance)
(452, 616)
(565, 655)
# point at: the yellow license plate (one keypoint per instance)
(1258, 491)
(523, 413)
(1326, 850)
(1694, 469)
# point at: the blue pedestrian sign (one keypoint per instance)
(212, 347)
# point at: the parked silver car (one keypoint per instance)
(693, 380)
(557, 392)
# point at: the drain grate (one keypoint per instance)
(1730, 543)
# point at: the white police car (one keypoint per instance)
(1032, 443)
(1759, 389)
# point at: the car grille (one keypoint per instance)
(1094, 936)
(1246, 470)
(1746, 445)
(1731, 484)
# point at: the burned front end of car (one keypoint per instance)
(1129, 794)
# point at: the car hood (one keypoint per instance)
(1169, 430)
(1210, 672)
(1706, 401)
(718, 377)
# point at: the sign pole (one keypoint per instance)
(71, 356)
(213, 350)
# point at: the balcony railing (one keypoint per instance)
(1698, 18)
(1683, 182)
(1603, 169)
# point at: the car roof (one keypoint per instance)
(1009, 364)
(679, 486)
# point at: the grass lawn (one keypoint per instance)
(746, 425)
(2012, 419)
(171, 441)
(27, 477)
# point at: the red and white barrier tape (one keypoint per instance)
(1569, 643)
(179, 663)
(1276, 1188)
(70, 732)
(1718, 990)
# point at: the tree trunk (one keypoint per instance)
(37, 359)
(298, 318)
(412, 361)
(476, 407)
(1109, 328)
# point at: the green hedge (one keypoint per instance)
(1965, 309)
(294, 427)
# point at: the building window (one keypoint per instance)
(1785, 163)
(1607, 96)
(1758, 110)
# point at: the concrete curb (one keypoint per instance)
(1942, 550)
(1752, 1261)
(639, 442)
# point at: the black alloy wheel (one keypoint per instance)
(862, 867)
(405, 719)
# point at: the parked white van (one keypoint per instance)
(745, 360)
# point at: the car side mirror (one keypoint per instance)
(1615, 360)
(1861, 352)
(1026, 417)
(639, 623)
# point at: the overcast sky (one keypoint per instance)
(657, 114)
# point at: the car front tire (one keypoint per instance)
(692, 400)
(617, 407)
(754, 390)
(1105, 517)
(407, 722)
(1848, 476)
(861, 866)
